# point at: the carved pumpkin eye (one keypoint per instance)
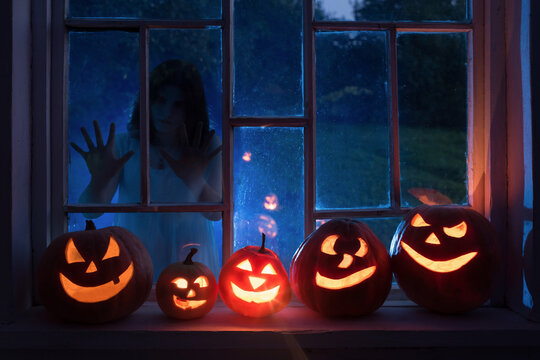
(363, 248)
(180, 283)
(72, 254)
(457, 231)
(245, 265)
(202, 281)
(113, 250)
(327, 246)
(269, 269)
(417, 221)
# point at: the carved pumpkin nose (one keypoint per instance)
(346, 262)
(91, 268)
(191, 293)
(433, 239)
(256, 281)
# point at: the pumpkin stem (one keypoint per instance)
(90, 225)
(189, 257)
(262, 250)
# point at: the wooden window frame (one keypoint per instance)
(487, 184)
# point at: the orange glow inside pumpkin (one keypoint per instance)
(345, 282)
(327, 247)
(346, 262)
(433, 239)
(418, 221)
(94, 294)
(257, 297)
(444, 266)
(186, 304)
(457, 231)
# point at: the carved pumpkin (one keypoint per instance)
(94, 275)
(444, 257)
(341, 269)
(186, 290)
(254, 283)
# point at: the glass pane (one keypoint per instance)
(384, 228)
(268, 58)
(269, 189)
(432, 73)
(154, 9)
(352, 120)
(103, 86)
(168, 237)
(389, 10)
(185, 93)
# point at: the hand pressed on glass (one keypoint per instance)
(194, 156)
(104, 166)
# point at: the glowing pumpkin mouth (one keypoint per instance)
(94, 294)
(439, 266)
(187, 304)
(348, 281)
(257, 297)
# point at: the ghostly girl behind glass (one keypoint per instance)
(184, 167)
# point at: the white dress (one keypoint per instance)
(168, 237)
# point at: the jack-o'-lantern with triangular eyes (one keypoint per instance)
(186, 290)
(341, 269)
(95, 276)
(444, 258)
(254, 283)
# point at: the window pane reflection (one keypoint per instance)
(269, 189)
(352, 120)
(432, 80)
(103, 86)
(268, 58)
(185, 93)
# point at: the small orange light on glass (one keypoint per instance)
(270, 202)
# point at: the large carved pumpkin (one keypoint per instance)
(444, 257)
(341, 269)
(94, 275)
(186, 290)
(254, 283)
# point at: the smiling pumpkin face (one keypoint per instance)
(444, 256)
(254, 283)
(186, 290)
(95, 275)
(99, 292)
(341, 269)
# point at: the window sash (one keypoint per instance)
(476, 144)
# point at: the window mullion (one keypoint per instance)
(310, 113)
(227, 150)
(395, 186)
(144, 123)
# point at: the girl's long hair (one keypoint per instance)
(186, 77)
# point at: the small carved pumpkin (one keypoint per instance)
(341, 269)
(254, 283)
(444, 257)
(95, 276)
(186, 290)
